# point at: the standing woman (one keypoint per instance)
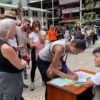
(36, 40)
(11, 67)
(52, 35)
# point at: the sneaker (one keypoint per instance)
(32, 87)
(43, 83)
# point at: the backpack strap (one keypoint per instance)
(19, 54)
(66, 56)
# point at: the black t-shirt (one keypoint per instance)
(5, 65)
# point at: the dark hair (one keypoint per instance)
(80, 44)
(79, 35)
(34, 23)
(96, 50)
(26, 20)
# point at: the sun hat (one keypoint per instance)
(10, 14)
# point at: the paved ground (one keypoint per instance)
(84, 60)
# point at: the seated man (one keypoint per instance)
(96, 79)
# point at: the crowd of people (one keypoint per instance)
(24, 42)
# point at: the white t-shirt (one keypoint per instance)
(12, 42)
(47, 54)
(35, 36)
(96, 80)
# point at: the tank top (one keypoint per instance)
(47, 54)
(5, 65)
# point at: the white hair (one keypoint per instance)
(5, 26)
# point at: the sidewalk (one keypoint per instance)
(83, 60)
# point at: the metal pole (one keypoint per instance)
(20, 10)
(41, 15)
(80, 9)
(28, 8)
(53, 12)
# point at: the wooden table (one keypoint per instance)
(70, 92)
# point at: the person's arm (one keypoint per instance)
(95, 80)
(18, 48)
(10, 54)
(61, 74)
(89, 83)
(53, 71)
(42, 37)
(58, 51)
(32, 45)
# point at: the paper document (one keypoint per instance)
(61, 82)
(83, 76)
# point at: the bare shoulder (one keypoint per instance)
(6, 49)
(58, 47)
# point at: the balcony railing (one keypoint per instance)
(67, 1)
(70, 10)
(97, 5)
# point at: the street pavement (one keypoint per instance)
(83, 60)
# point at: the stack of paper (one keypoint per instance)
(61, 82)
(82, 76)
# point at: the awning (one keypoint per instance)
(68, 21)
(32, 1)
(70, 3)
(25, 7)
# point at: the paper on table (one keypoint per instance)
(61, 81)
(83, 76)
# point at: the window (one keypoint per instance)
(34, 13)
(44, 23)
(2, 10)
(16, 11)
(44, 14)
(25, 12)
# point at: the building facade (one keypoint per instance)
(52, 6)
(73, 10)
(28, 12)
(91, 10)
(70, 11)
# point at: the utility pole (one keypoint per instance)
(20, 10)
(80, 9)
(42, 14)
(28, 8)
(53, 12)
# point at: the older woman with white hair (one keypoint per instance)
(11, 83)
